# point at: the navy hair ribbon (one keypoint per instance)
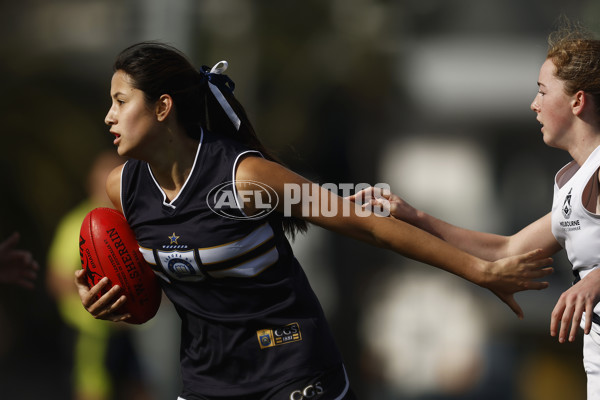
(218, 82)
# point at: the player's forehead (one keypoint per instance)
(547, 76)
(121, 84)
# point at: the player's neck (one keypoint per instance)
(172, 169)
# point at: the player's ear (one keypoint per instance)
(578, 102)
(164, 106)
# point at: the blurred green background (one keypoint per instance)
(429, 96)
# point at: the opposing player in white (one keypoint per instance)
(568, 108)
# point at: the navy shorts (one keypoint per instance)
(328, 385)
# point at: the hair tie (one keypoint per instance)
(217, 82)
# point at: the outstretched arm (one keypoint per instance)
(503, 277)
(568, 311)
(489, 246)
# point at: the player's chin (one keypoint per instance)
(122, 151)
(129, 152)
(550, 141)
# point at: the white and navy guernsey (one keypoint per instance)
(574, 227)
(250, 319)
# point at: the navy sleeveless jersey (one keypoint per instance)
(250, 319)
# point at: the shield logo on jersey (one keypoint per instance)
(566, 207)
(180, 265)
(265, 338)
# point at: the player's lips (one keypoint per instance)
(117, 137)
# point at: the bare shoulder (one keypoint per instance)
(250, 164)
(113, 187)
(265, 171)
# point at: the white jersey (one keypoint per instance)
(574, 227)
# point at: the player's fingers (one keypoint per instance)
(382, 193)
(34, 266)
(534, 259)
(30, 275)
(556, 316)
(565, 322)
(112, 313)
(359, 197)
(90, 296)
(20, 257)
(27, 278)
(512, 303)
(540, 268)
(25, 282)
(79, 273)
(81, 282)
(362, 195)
(576, 321)
(10, 242)
(107, 303)
(538, 265)
(123, 317)
(589, 311)
(534, 285)
(368, 204)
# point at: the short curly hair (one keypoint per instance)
(576, 55)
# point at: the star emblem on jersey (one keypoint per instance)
(173, 238)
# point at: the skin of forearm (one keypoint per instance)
(487, 246)
(420, 245)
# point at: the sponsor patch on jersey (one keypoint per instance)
(278, 336)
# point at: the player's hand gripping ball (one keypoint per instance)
(107, 247)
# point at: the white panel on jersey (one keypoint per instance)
(224, 252)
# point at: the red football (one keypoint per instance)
(107, 247)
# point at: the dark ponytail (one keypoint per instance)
(156, 68)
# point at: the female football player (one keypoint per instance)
(567, 106)
(252, 327)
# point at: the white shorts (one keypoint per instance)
(591, 364)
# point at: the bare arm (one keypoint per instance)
(113, 187)
(504, 277)
(489, 246)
